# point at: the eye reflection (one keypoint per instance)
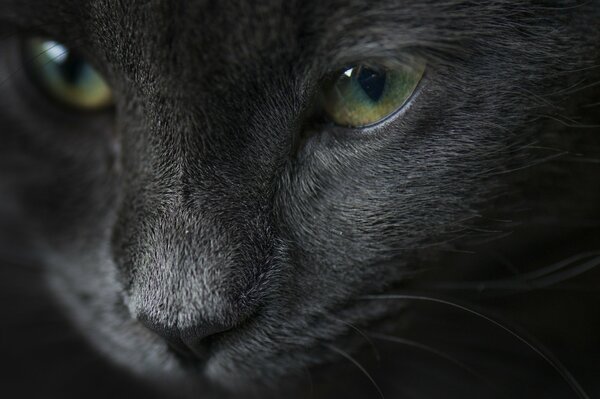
(65, 75)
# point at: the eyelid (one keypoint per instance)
(401, 58)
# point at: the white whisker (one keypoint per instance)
(543, 352)
(360, 367)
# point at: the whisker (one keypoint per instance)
(570, 123)
(311, 384)
(532, 164)
(363, 334)
(434, 351)
(582, 159)
(584, 87)
(360, 367)
(570, 273)
(541, 350)
(592, 105)
(559, 265)
(538, 279)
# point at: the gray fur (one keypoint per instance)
(210, 201)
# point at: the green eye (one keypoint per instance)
(364, 95)
(66, 76)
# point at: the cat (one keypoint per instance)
(345, 199)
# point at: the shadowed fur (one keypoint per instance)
(210, 202)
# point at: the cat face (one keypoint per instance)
(210, 227)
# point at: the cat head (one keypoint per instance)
(213, 226)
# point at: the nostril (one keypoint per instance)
(191, 342)
(170, 335)
(199, 335)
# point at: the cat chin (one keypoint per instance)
(257, 360)
(237, 369)
(273, 349)
(95, 305)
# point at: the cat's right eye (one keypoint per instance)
(65, 75)
(365, 94)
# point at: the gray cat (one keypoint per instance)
(343, 199)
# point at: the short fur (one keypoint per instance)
(210, 202)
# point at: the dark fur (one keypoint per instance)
(211, 199)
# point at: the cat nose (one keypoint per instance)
(191, 342)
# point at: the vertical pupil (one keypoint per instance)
(70, 68)
(68, 64)
(372, 82)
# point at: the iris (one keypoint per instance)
(65, 75)
(364, 95)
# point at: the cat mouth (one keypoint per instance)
(248, 356)
(188, 354)
(193, 353)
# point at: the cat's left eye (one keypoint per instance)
(365, 94)
(65, 75)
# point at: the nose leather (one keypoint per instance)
(191, 342)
